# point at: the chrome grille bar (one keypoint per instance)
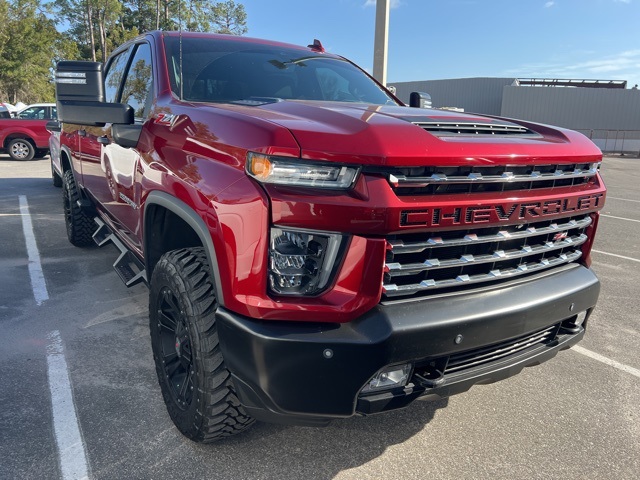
(393, 290)
(402, 181)
(397, 269)
(399, 246)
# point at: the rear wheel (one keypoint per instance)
(195, 383)
(21, 149)
(80, 227)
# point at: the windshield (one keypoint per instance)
(216, 70)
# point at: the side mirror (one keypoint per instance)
(126, 135)
(53, 126)
(80, 96)
(420, 100)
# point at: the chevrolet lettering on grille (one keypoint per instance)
(500, 213)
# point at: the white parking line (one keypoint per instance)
(596, 356)
(620, 218)
(71, 450)
(615, 255)
(38, 284)
(623, 199)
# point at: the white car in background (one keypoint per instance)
(7, 110)
(38, 111)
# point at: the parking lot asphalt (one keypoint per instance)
(574, 417)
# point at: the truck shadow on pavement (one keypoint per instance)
(283, 452)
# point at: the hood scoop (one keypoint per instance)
(450, 129)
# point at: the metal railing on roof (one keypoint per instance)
(567, 82)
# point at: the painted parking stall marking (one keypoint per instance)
(620, 218)
(615, 255)
(38, 283)
(71, 448)
(607, 361)
(623, 199)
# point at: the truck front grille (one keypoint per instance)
(425, 263)
(468, 180)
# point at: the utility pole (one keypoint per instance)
(381, 41)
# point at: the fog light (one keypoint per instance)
(389, 377)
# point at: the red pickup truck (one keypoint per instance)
(315, 249)
(26, 136)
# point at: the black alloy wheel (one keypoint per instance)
(175, 343)
(196, 386)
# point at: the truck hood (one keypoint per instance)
(402, 136)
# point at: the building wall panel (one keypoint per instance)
(479, 95)
(575, 108)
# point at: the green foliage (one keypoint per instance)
(31, 43)
(229, 17)
(29, 47)
(98, 26)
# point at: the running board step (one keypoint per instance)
(128, 267)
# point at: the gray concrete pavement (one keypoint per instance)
(570, 418)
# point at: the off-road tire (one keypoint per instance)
(21, 149)
(80, 227)
(57, 179)
(195, 384)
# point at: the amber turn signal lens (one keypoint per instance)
(261, 166)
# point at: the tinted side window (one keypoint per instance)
(138, 86)
(34, 113)
(114, 76)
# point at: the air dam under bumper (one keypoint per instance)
(308, 374)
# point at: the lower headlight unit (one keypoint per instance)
(389, 377)
(302, 262)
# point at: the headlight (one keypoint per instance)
(303, 262)
(298, 172)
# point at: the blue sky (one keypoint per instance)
(431, 39)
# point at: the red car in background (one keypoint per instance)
(25, 136)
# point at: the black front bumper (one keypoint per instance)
(311, 373)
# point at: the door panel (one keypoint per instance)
(121, 164)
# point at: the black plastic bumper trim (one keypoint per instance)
(283, 373)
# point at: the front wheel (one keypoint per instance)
(21, 149)
(195, 384)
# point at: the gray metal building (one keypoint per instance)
(479, 95)
(609, 116)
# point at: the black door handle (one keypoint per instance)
(104, 140)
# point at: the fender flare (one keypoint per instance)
(19, 133)
(188, 215)
(66, 151)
